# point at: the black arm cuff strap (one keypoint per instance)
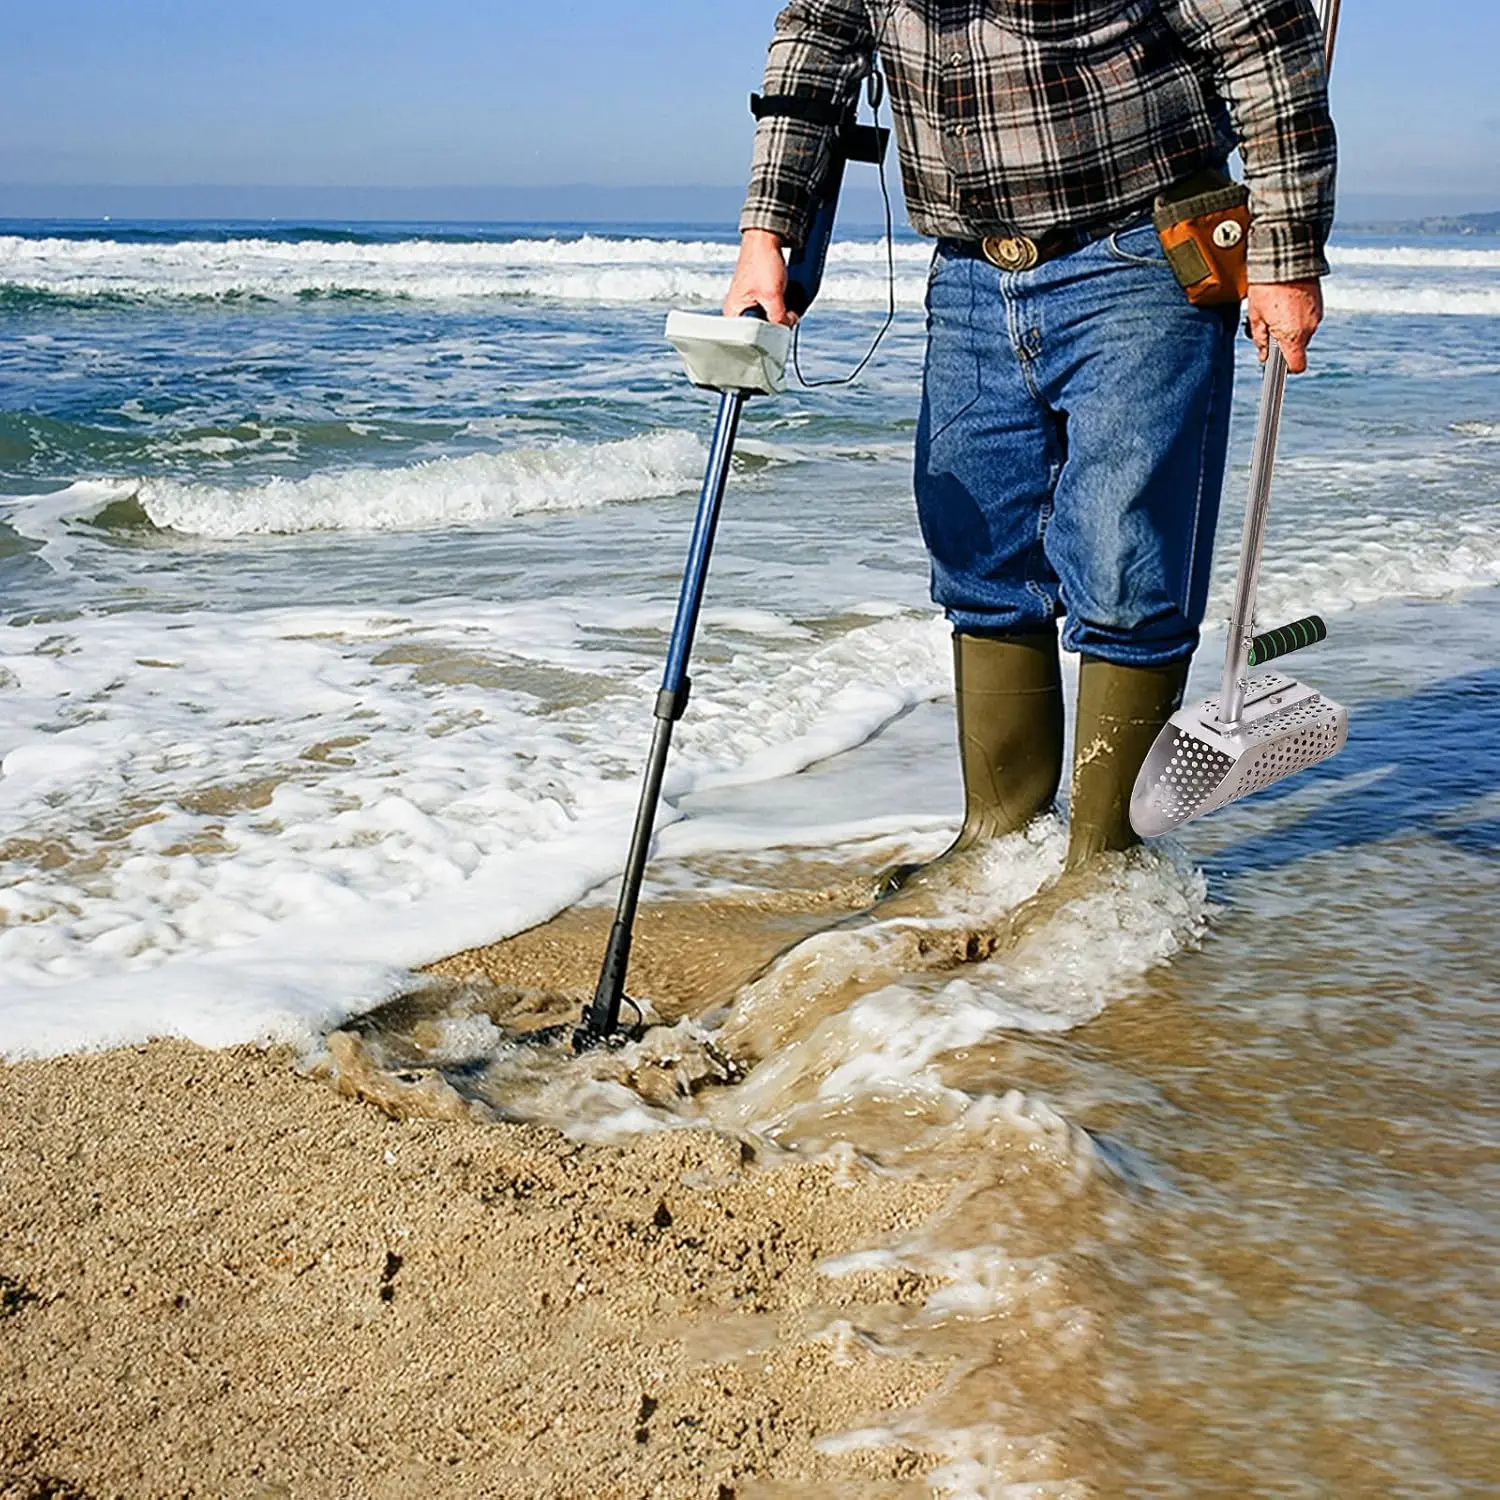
(858, 142)
(795, 107)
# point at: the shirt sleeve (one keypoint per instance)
(819, 51)
(1265, 58)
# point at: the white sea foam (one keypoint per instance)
(842, 1070)
(443, 492)
(595, 269)
(590, 269)
(1415, 256)
(1338, 557)
(241, 826)
(247, 825)
(1439, 301)
(1344, 553)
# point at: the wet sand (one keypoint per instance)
(685, 957)
(221, 1278)
(1196, 1248)
(1231, 1236)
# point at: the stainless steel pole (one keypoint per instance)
(1258, 506)
(1257, 513)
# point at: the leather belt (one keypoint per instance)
(1023, 252)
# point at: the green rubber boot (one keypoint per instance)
(1008, 692)
(1121, 710)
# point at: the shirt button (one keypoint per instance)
(958, 130)
(956, 59)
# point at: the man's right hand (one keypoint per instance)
(1288, 312)
(759, 278)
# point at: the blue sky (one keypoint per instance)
(460, 92)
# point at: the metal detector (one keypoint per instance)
(737, 357)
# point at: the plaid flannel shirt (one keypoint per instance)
(1030, 115)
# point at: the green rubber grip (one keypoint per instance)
(1289, 638)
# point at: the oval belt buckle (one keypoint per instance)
(1011, 252)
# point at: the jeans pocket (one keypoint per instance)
(1136, 246)
(950, 374)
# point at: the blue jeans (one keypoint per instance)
(1070, 449)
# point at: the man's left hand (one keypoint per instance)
(1289, 312)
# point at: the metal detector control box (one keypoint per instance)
(731, 354)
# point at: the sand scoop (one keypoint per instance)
(1261, 728)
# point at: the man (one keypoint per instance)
(1075, 405)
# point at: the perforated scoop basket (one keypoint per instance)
(1199, 764)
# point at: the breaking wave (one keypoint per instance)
(599, 270)
(587, 269)
(1437, 301)
(451, 491)
(1412, 256)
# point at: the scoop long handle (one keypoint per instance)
(1257, 513)
(1241, 643)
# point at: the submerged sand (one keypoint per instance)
(220, 1277)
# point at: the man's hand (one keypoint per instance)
(759, 278)
(1288, 312)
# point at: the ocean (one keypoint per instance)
(338, 564)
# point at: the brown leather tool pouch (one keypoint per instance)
(1203, 223)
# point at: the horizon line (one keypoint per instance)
(571, 202)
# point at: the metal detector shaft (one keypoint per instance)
(602, 1016)
(853, 142)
